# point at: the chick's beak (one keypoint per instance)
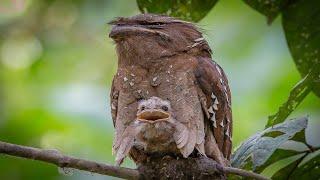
(153, 116)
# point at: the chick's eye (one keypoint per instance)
(165, 108)
(142, 108)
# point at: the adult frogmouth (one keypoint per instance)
(169, 58)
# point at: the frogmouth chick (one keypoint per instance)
(155, 131)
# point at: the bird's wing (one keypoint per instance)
(127, 141)
(188, 111)
(186, 143)
(114, 94)
(216, 103)
(120, 116)
(123, 111)
(114, 97)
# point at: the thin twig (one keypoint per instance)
(63, 161)
(243, 173)
(54, 157)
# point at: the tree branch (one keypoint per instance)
(54, 157)
(243, 173)
(63, 161)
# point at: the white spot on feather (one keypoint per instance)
(213, 96)
(221, 124)
(199, 39)
(227, 132)
(195, 44)
(215, 107)
(125, 79)
(213, 119)
(219, 70)
(216, 101)
(154, 79)
(113, 107)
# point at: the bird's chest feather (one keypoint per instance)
(156, 138)
(164, 80)
(161, 132)
(172, 80)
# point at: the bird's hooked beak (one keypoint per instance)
(153, 116)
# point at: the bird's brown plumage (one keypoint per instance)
(154, 131)
(168, 58)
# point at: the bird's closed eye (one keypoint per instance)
(155, 26)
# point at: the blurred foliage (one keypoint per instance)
(297, 95)
(301, 24)
(269, 8)
(190, 10)
(56, 66)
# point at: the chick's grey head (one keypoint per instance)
(154, 110)
(150, 36)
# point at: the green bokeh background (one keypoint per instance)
(57, 63)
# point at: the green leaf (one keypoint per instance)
(299, 169)
(301, 24)
(260, 147)
(278, 155)
(309, 170)
(300, 137)
(297, 94)
(286, 172)
(269, 8)
(190, 10)
(273, 134)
